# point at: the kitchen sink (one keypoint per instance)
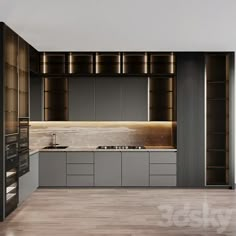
(55, 147)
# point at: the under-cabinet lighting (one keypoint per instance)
(70, 64)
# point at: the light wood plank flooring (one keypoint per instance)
(126, 212)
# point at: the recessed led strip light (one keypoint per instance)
(96, 65)
(70, 64)
(145, 63)
(44, 63)
(172, 63)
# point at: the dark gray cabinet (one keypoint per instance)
(134, 99)
(52, 169)
(29, 182)
(81, 99)
(107, 168)
(108, 99)
(36, 98)
(190, 119)
(135, 168)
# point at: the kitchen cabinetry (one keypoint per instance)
(52, 169)
(107, 99)
(29, 182)
(82, 99)
(135, 168)
(107, 168)
(134, 99)
(80, 169)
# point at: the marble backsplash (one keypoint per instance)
(87, 134)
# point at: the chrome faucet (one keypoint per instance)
(54, 140)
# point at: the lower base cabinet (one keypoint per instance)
(52, 169)
(135, 169)
(107, 168)
(29, 182)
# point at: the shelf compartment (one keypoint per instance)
(80, 63)
(108, 63)
(135, 63)
(217, 120)
(162, 63)
(53, 63)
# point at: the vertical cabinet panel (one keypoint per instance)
(135, 169)
(81, 99)
(107, 168)
(52, 169)
(190, 119)
(107, 99)
(134, 99)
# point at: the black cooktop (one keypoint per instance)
(120, 147)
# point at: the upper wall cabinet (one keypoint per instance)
(108, 63)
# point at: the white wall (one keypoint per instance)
(96, 25)
(123, 24)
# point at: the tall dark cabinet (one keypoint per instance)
(14, 105)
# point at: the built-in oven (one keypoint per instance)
(23, 146)
(23, 162)
(23, 133)
(11, 151)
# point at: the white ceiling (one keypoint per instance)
(92, 25)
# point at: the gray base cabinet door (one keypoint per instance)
(29, 182)
(107, 168)
(135, 169)
(52, 169)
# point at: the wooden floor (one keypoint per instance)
(146, 212)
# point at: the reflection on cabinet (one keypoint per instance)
(82, 99)
(23, 78)
(135, 169)
(217, 72)
(11, 81)
(107, 168)
(53, 63)
(52, 169)
(55, 99)
(107, 99)
(134, 99)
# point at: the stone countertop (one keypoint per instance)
(92, 149)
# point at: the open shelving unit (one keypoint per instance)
(217, 143)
